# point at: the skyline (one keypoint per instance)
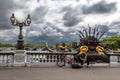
(57, 21)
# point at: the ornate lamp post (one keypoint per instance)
(15, 22)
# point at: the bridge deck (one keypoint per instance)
(55, 73)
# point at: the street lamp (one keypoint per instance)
(15, 22)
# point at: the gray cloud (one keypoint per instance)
(114, 28)
(100, 8)
(66, 8)
(5, 6)
(5, 25)
(112, 34)
(46, 28)
(42, 39)
(43, 30)
(50, 33)
(109, 30)
(115, 23)
(103, 28)
(39, 14)
(70, 17)
(52, 40)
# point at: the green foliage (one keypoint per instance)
(69, 45)
(57, 46)
(113, 41)
(5, 45)
(32, 45)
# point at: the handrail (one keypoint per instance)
(51, 53)
(7, 57)
(44, 57)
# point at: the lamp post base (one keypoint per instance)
(20, 45)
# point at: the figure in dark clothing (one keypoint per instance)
(81, 56)
(62, 47)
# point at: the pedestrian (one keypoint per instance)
(81, 56)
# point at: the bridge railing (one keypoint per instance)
(46, 57)
(117, 54)
(7, 58)
(43, 57)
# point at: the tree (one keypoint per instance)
(113, 41)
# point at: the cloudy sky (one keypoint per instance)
(57, 21)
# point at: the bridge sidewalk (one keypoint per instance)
(56, 73)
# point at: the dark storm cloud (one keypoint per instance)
(103, 28)
(112, 34)
(100, 8)
(115, 23)
(68, 37)
(51, 36)
(52, 40)
(67, 8)
(47, 32)
(5, 25)
(107, 29)
(39, 14)
(42, 39)
(5, 7)
(70, 17)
